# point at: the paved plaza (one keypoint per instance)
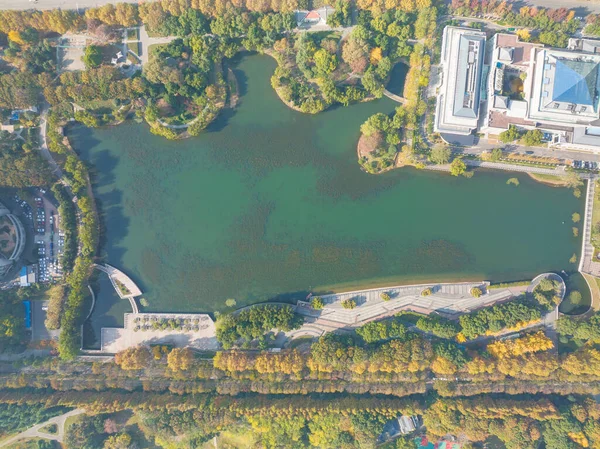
(204, 338)
(446, 299)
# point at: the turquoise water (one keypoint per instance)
(271, 204)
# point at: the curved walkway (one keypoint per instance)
(392, 96)
(34, 432)
(450, 299)
(117, 275)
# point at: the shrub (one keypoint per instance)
(476, 292)
(385, 296)
(427, 292)
(317, 303)
(348, 304)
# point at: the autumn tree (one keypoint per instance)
(137, 357)
(180, 359)
(355, 53)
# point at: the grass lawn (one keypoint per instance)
(233, 440)
(32, 443)
(134, 47)
(557, 181)
(133, 34)
(154, 49)
(300, 341)
(50, 428)
(576, 282)
(410, 317)
(99, 106)
(72, 420)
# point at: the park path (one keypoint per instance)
(34, 432)
(146, 41)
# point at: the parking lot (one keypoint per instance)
(43, 217)
(584, 165)
(38, 317)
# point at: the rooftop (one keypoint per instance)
(462, 63)
(576, 82)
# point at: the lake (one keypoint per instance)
(271, 204)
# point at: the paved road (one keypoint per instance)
(43, 130)
(34, 432)
(63, 4)
(536, 151)
(582, 7)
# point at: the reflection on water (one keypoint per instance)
(270, 203)
(108, 311)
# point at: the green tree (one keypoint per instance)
(496, 155)
(348, 303)
(317, 303)
(573, 180)
(476, 292)
(510, 135)
(325, 63)
(533, 138)
(440, 154)
(92, 56)
(458, 167)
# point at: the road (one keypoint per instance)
(34, 432)
(582, 7)
(531, 151)
(44, 148)
(51, 4)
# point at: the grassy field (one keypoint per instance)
(134, 47)
(154, 49)
(233, 440)
(552, 180)
(34, 443)
(133, 34)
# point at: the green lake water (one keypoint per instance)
(271, 204)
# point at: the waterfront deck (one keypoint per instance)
(447, 299)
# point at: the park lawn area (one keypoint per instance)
(233, 440)
(556, 181)
(305, 340)
(154, 49)
(72, 420)
(50, 428)
(409, 317)
(134, 47)
(34, 443)
(99, 106)
(133, 33)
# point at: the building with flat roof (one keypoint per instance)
(462, 61)
(554, 90)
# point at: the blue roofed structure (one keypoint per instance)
(576, 82)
